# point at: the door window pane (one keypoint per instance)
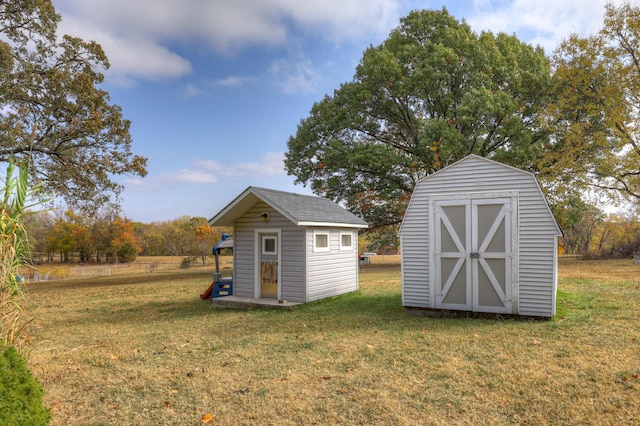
(269, 245)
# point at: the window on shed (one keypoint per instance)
(269, 245)
(346, 241)
(320, 241)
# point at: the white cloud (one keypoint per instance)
(299, 77)
(271, 164)
(139, 37)
(541, 22)
(191, 90)
(130, 56)
(190, 176)
(233, 81)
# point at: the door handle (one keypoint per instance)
(474, 254)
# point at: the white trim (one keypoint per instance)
(331, 224)
(554, 294)
(346, 247)
(317, 249)
(510, 199)
(256, 271)
(264, 239)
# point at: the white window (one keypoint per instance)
(346, 241)
(269, 245)
(320, 241)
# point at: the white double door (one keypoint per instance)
(473, 256)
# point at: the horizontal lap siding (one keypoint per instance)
(293, 285)
(292, 255)
(537, 232)
(243, 259)
(414, 247)
(334, 272)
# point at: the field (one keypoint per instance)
(142, 348)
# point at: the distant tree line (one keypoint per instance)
(75, 237)
(591, 233)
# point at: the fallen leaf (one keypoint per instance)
(326, 377)
(167, 404)
(115, 356)
(207, 418)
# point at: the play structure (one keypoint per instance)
(221, 286)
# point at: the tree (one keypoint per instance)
(53, 114)
(431, 94)
(125, 243)
(205, 238)
(595, 115)
(61, 240)
(39, 226)
(579, 220)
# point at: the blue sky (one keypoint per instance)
(214, 88)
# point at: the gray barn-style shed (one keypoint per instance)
(479, 236)
(292, 247)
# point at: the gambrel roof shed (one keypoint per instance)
(290, 246)
(479, 236)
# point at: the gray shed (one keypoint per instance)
(291, 246)
(479, 236)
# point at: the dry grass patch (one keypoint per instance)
(144, 349)
(143, 264)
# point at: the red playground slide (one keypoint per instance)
(207, 294)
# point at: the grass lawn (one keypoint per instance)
(141, 349)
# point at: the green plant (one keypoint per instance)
(14, 250)
(20, 392)
(188, 261)
(127, 253)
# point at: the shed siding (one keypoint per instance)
(537, 232)
(291, 278)
(334, 272)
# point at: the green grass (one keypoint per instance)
(144, 349)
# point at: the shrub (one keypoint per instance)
(20, 392)
(127, 253)
(186, 263)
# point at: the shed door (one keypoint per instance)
(473, 254)
(268, 265)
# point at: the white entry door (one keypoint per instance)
(268, 265)
(473, 254)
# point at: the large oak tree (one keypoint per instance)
(595, 115)
(53, 113)
(432, 93)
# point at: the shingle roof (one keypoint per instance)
(303, 210)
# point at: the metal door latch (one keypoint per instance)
(475, 254)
